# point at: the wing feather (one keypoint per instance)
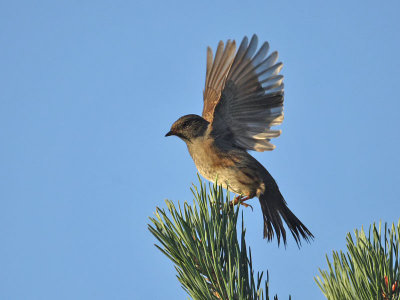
(243, 95)
(216, 73)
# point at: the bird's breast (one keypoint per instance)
(214, 164)
(208, 158)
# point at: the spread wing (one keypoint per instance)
(243, 96)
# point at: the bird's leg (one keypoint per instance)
(240, 199)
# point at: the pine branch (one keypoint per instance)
(202, 241)
(369, 270)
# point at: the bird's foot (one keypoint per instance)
(240, 199)
(246, 205)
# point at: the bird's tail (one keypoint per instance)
(274, 209)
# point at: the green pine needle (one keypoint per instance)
(202, 241)
(369, 270)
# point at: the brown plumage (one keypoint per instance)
(243, 99)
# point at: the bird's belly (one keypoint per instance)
(229, 178)
(221, 170)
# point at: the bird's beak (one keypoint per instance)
(169, 133)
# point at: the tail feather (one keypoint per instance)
(275, 209)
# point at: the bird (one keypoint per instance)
(243, 98)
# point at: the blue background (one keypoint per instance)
(89, 88)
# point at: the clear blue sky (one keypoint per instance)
(89, 88)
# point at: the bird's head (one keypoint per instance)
(188, 127)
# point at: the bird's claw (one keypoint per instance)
(246, 205)
(240, 200)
